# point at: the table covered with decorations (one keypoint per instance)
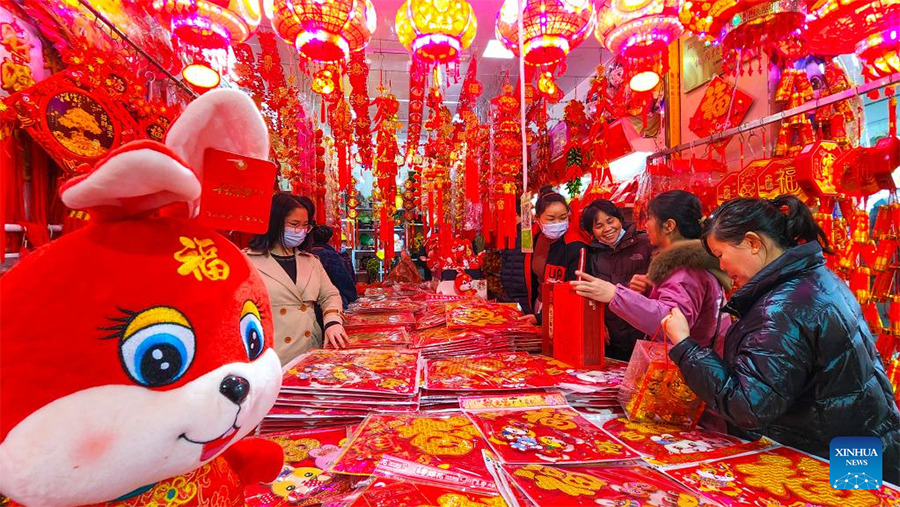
(447, 401)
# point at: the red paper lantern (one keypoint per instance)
(551, 28)
(748, 25)
(210, 24)
(638, 28)
(436, 31)
(839, 26)
(325, 31)
(880, 53)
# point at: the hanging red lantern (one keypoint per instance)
(325, 31)
(880, 53)
(865, 26)
(638, 28)
(436, 31)
(551, 28)
(210, 24)
(749, 27)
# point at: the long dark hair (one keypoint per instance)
(589, 214)
(282, 206)
(784, 219)
(548, 197)
(681, 207)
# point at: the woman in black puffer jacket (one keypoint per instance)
(800, 364)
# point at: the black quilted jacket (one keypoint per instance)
(800, 365)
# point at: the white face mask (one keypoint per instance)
(293, 237)
(555, 230)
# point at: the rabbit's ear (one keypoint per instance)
(144, 176)
(223, 119)
(134, 179)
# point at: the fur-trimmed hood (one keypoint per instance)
(686, 254)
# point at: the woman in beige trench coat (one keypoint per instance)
(296, 280)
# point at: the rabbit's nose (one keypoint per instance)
(235, 388)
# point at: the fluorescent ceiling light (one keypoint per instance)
(495, 49)
(629, 166)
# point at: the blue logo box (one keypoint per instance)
(856, 463)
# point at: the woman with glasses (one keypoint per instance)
(296, 280)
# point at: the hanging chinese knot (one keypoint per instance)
(436, 173)
(387, 158)
(290, 129)
(417, 76)
(468, 133)
(507, 163)
(358, 72)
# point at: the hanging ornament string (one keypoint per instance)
(526, 243)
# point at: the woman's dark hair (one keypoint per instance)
(282, 206)
(682, 207)
(548, 197)
(784, 219)
(589, 214)
(321, 234)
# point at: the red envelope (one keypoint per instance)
(237, 192)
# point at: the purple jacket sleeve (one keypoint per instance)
(682, 289)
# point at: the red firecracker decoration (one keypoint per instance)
(793, 90)
(320, 177)
(417, 76)
(358, 73)
(387, 158)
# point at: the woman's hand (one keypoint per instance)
(640, 284)
(593, 288)
(529, 318)
(336, 337)
(676, 326)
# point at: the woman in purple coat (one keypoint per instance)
(682, 274)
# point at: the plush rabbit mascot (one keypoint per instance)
(137, 350)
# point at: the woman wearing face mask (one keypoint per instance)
(800, 364)
(617, 252)
(555, 255)
(296, 280)
(681, 275)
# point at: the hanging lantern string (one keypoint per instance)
(811, 106)
(522, 120)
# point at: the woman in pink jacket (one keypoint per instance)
(682, 274)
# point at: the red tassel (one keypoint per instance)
(892, 116)
(430, 210)
(511, 220)
(343, 173)
(472, 178)
(443, 229)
